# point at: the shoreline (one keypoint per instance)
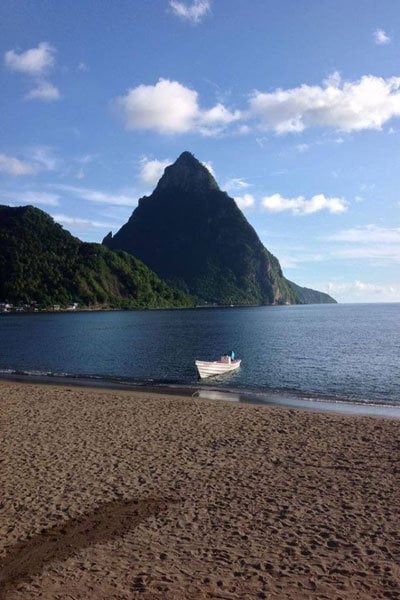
(85, 309)
(288, 399)
(117, 494)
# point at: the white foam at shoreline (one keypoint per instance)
(271, 398)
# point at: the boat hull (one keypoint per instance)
(210, 369)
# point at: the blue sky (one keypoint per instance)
(294, 105)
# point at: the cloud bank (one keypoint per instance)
(367, 234)
(170, 108)
(371, 242)
(362, 291)
(301, 206)
(347, 106)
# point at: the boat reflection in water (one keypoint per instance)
(214, 395)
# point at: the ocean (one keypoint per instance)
(328, 352)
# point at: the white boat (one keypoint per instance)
(217, 367)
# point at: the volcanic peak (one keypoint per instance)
(188, 174)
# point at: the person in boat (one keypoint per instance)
(228, 357)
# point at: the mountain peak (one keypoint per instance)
(187, 157)
(187, 173)
(194, 236)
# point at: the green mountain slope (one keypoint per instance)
(308, 296)
(41, 262)
(195, 237)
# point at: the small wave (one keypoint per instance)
(276, 397)
(107, 379)
(315, 402)
(29, 372)
(312, 400)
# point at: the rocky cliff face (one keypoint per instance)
(195, 237)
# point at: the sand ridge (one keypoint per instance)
(121, 495)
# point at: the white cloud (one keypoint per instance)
(84, 160)
(13, 166)
(168, 107)
(38, 158)
(152, 170)
(334, 79)
(368, 234)
(374, 243)
(44, 91)
(44, 158)
(194, 12)
(348, 106)
(119, 213)
(288, 262)
(360, 291)
(302, 147)
(243, 130)
(35, 61)
(219, 115)
(31, 197)
(78, 222)
(301, 206)
(209, 166)
(236, 183)
(379, 254)
(97, 196)
(245, 201)
(381, 38)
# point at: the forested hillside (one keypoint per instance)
(41, 262)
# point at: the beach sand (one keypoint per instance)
(118, 495)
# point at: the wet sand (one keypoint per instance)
(107, 494)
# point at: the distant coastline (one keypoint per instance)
(82, 309)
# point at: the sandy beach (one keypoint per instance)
(118, 495)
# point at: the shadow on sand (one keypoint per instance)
(29, 557)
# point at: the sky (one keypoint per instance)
(293, 105)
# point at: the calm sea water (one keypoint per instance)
(339, 351)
